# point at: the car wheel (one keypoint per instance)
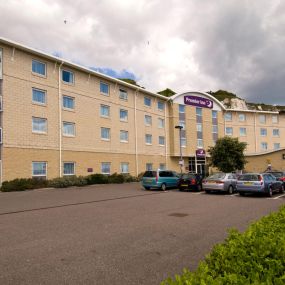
(281, 189)
(230, 190)
(208, 191)
(163, 186)
(146, 188)
(269, 193)
(199, 188)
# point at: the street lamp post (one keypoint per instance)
(181, 160)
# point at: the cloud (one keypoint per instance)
(183, 45)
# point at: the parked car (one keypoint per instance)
(190, 181)
(264, 183)
(160, 179)
(225, 182)
(280, 175)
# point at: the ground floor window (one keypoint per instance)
(124, 167)
(162, 166)
(39, 169)
(68, 168)
(106, 167)
(148, 166)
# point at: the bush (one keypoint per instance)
(97, 179)
(22, 184)
(67, 181)
(116, 178)
(254, 257)
(129, 178)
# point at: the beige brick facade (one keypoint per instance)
(86, 149)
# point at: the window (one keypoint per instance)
(276, 145)
(105, 134)
(124, 167)
(106, 167)
(148, 139)
(39, 67)
(105, 111)
(67, 76)
(39, 96)
(182, 124)
(214, 114)
(68, 129)
(263, 132)
(183, 142)
(147, 101)
(198, 111)
(104, 88)
(68, 168)
(161, 140)
(181, 108)
(229, 131)
(1, 136)
(124, 136)
(228, 117)
(147, 120)
(161, 123)
(39, 169)
(199, 128)
(162, 166)
(263, 146)
(214, 129)
(148, 166)
(199, 143)
(262, 119)
(242, 132)
(241, 117)
(160, 105)
(274, 119)
(39, 125)
(276, 132)
(123, 94)
(123, 115)
(68, 102)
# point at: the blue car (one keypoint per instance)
(264, 183)
(160, 179)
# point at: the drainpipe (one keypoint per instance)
(136, 135)
(60, 119)
(255, 132)
(165, 135)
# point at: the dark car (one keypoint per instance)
(190, 181)
(264, 183)
(280, 175)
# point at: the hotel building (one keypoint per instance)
(59, 118)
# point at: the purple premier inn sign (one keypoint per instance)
(200, 153)
(198, 101)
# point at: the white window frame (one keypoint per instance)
(125, 96)
(146, 141)
(1, 135)
(103, 93)
(39, 74)
(161, 123)
(161, 144)
(275, 120)
(149, 166)
(216, 114)
(261, 121)
(106, 163)
(263, 132)
(64, 123)
(200, 143)
(163, 166)
(70, 97)
(227, 133)
(1, 103)
(109, 132)
(199, 127)
(40, 132)
(105, 106)
(40, 175)
(278, 131)
(228, 117)
(183, 107)
(163, 105)
(242, 117)
(145, 120)
(123, 140)
(241, 133)
(36, 102)
(265, 144)
(122, 168)
(69, 162)
(183, 142)
(127, 118)
(275, 144)
(73, 77)
(144, 101)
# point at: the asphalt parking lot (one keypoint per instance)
(115, 234)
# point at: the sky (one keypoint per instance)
(184, 45)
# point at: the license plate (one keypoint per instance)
(184, 185)
(148, 180)
(247, 183)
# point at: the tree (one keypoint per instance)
(228, 154)
(166, 92)
(130, 81)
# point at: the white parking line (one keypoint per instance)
(278, 197)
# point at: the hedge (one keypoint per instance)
(23, 184)
(256, 256)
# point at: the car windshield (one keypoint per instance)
(277, 174)
(217, 176)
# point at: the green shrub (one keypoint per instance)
(67, 181)
(140, 176)
(129, 178)
(116, 178)
(97, 179)
(255, 257)
(22, 184)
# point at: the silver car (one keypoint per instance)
(264, 183)
(225, 182)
